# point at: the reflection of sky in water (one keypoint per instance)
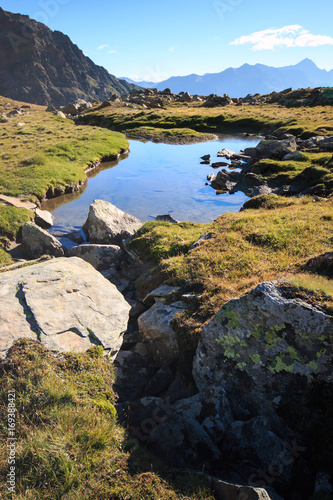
(156, 179)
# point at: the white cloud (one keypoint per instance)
(101, 47)
(172, 49)
(112, 52)
(288, 36)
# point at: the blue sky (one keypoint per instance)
(152, 40)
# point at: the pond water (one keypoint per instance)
(155, 179)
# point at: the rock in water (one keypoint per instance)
(43, 218)
(107, 224)
(64, 303)
(37, 242)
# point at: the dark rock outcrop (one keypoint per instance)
(44, 67)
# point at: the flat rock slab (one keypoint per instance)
(16, 202)
(64, 303)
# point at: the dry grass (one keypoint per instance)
(247, 248)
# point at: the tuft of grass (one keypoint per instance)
(69, 444)
(267, 201)
(12, 219)
(313, 283)
(5, 258)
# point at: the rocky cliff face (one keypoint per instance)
(44, 67)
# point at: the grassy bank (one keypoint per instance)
(271, 242)
(40, 151)
(69, 445)
(226, 119)
(169, 136)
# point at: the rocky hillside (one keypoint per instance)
(41, 66)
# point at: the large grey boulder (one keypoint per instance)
(270, 342)
(64, 303)
(157, 333)
(107, 224)
(37, 242)
(275, 149)
(321, 142)
(99, 256)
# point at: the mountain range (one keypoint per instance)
(248, 79)
(42, 66)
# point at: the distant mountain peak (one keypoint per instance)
(306, 63)
(250, 79)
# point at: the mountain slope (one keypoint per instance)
(249, 79)
(41, 66)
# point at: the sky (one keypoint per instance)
(154, 39)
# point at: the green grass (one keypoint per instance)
(49, 152)
(249, 247)
(69, 445)
(315, 170)
(12, 219)
(170, 136)
(5, 258)
(230, 118)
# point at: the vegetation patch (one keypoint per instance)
(249, 247)
(11, 221)
(230, 118)
(69, 444)
(48, 151)
(169, 136)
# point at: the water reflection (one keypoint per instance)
(155, 179)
